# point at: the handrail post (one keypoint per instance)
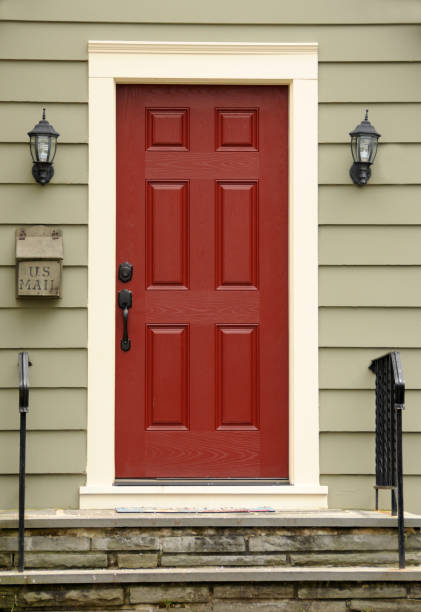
(24, 363)
(399, 463)
(390, 401)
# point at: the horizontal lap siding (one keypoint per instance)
(66, 41)
(347, 368)
(51, 409)
(54, 332)
(375, 205)
(43, 490)
(346, 410)
(71, 166)
(350, 491)
(51, 368)
(58, 452)
(218, 11)
(370, 253)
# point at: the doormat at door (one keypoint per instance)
(193, 510)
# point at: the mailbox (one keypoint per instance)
(39, 257)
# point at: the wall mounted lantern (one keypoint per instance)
(43, 142)
(364, 148)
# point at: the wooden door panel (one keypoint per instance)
(167, 377)
(236, 235)
(167, 129)
(237, 374)
(202, 214)
(167, 234)
(237, 130)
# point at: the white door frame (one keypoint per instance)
(210, 63)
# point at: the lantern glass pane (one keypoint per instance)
(374, 143)
(365, 146)
(354, 149)
(43, 148)
(53, 144)
(33, 148)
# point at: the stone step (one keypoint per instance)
(211, 574)
(62, 519)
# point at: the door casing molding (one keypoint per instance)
(293, 64)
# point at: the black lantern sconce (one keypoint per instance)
(364, 141)
(43, 143)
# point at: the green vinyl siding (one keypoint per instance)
(51, 368)
(335, 460)
(370, 82)
(352, 410)
(375, 205)
(51, 409)
(399, 163)
(218, 11)
(64, 41)
(369, 240)
(72, 119)
(335, 121)
(59, 204)
(367, 327)
(350, 491)
(34, 81)
(43, 327)
(370, 286)
(347, 368)
(370, 245)
(42, 491)
(70, 167)
(48, 452)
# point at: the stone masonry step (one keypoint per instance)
(56, 519)
(211, 574)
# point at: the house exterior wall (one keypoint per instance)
(370, 255)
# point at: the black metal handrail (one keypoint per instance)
(390, 401)
(24, 363)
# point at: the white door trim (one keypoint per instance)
(294, 64)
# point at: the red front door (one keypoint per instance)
(202, 215)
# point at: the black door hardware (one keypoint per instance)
(125, 272)
(125, 302)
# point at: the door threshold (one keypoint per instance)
(205, 494)
(199, 482)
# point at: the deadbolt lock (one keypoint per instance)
(125, 272)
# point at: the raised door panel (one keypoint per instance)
(167, 234)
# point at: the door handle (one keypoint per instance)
(125, 302)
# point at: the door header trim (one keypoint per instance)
(196, 48)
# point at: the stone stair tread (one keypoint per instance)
(109, 518)
(210, 574)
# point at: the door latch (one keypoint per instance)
(125, 302)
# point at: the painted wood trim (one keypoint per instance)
(299, 71)
(197, 48)
(276, 497)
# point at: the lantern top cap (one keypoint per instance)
(365, 128)
(43, 128)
